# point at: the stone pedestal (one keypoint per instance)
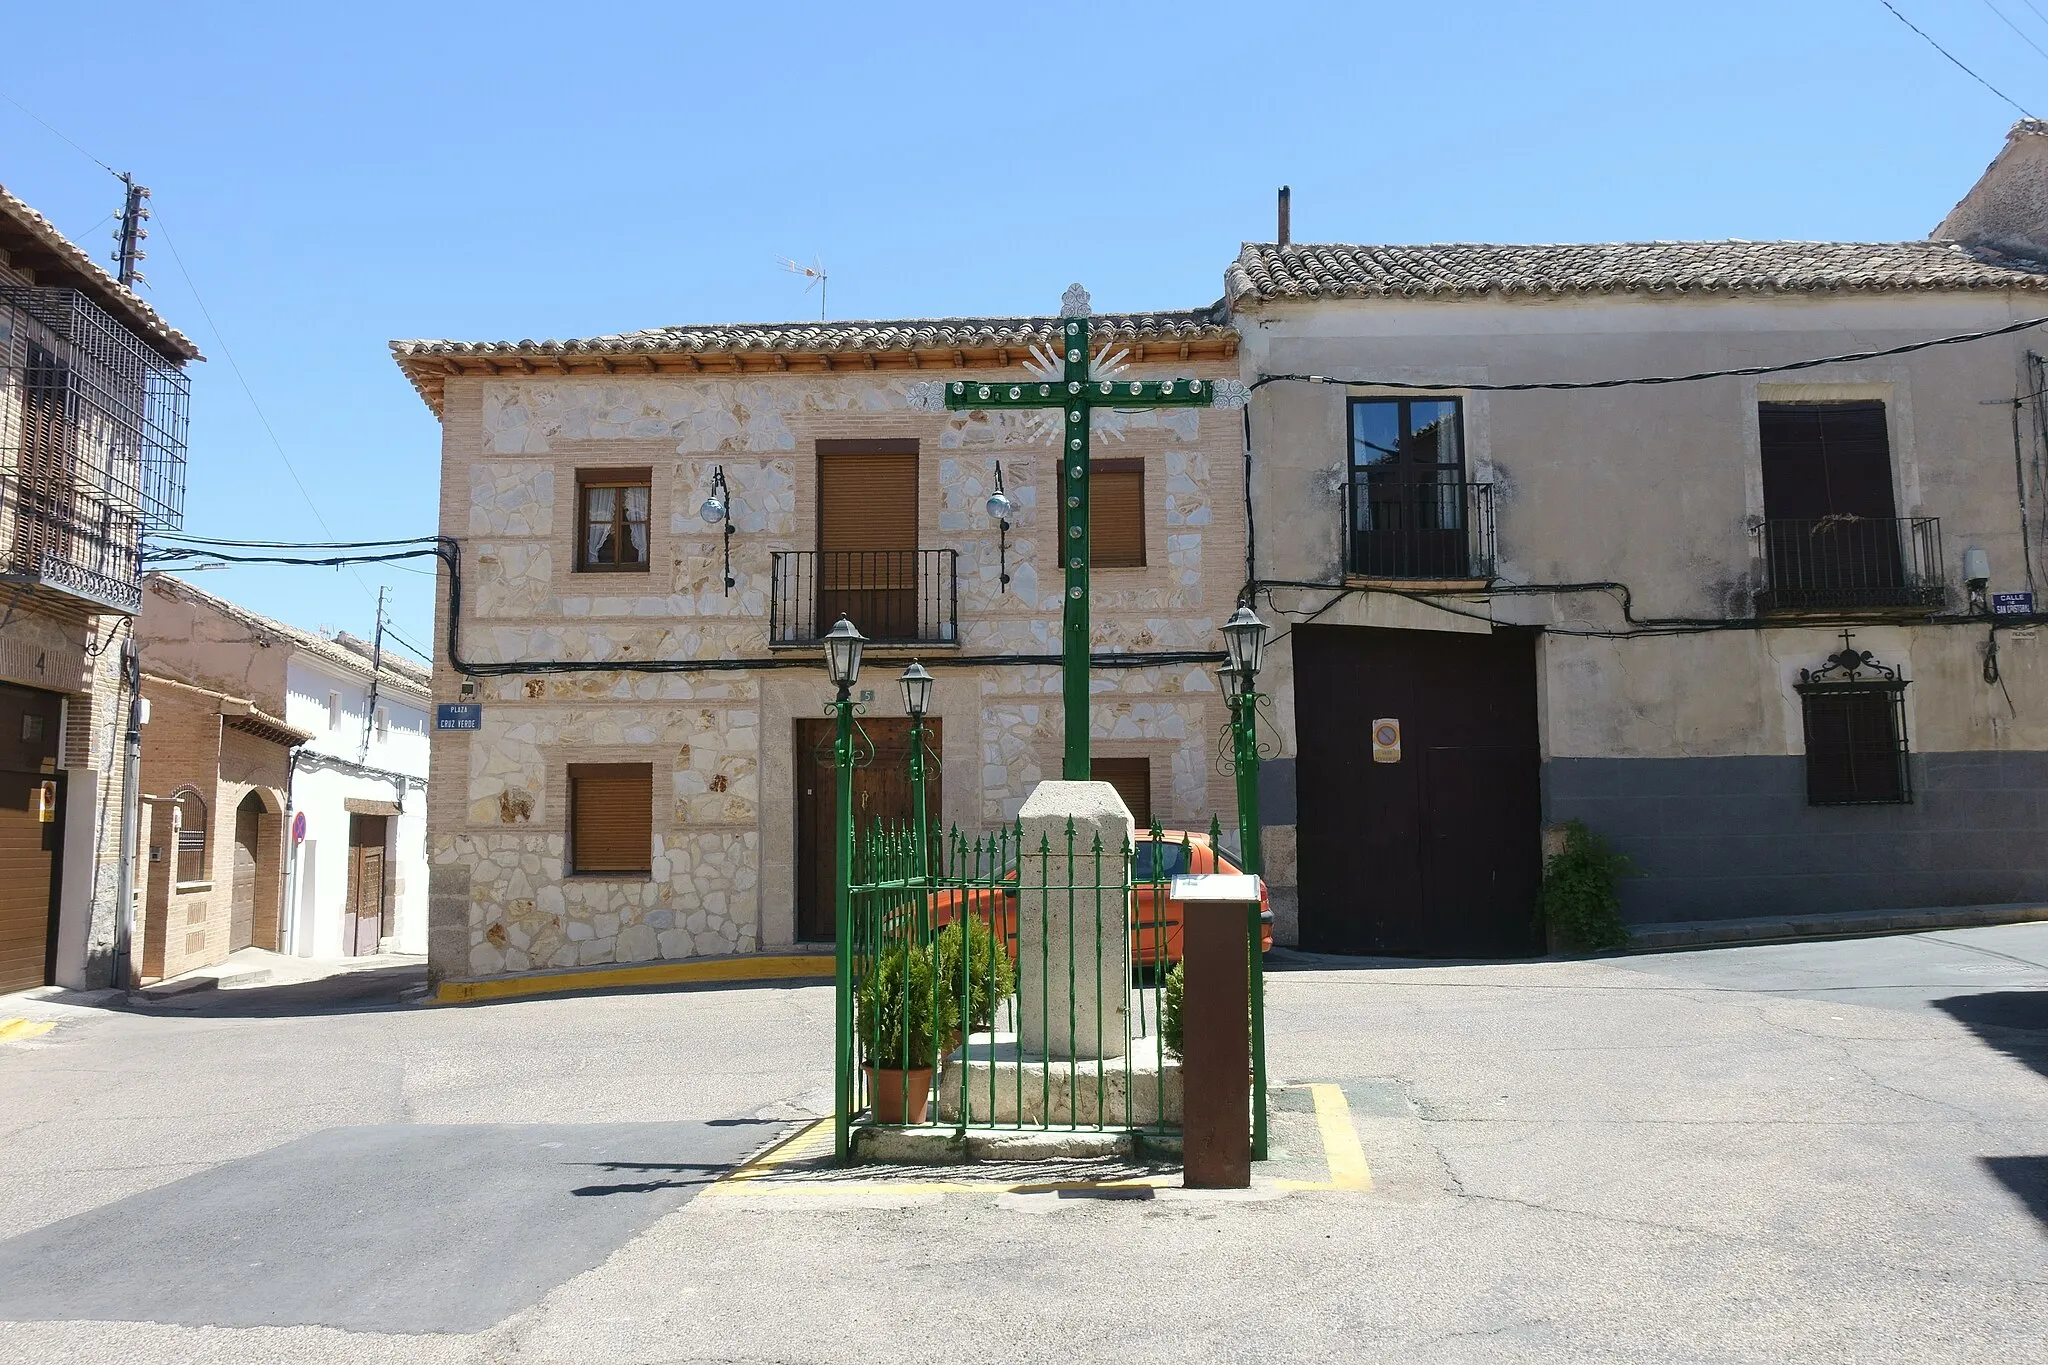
(1004, 1086)
(1074, 923)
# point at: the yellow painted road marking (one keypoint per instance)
(17, 1030)
(1341, 1151)
(751, 967)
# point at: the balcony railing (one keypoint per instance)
(92, 446)
(893, 596)
(1412, 529)
(1850, 562)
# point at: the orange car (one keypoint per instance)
(1154, 865)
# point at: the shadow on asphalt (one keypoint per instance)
(2014, 1022)
(380, 988)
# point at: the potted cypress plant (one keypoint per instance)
(904, 1012)
(975, 968)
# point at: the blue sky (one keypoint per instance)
(336, 176)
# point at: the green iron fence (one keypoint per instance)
(999, 984)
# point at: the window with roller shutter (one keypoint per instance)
(1132, 778)
(611, 819)
(1116, 514)
(867, 536)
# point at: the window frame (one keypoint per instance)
(186, 840)
(591, 480)
(1119, 467)
(574, 774)
(1404, 403)
(1892, 697)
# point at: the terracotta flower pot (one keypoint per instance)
(900, 1096)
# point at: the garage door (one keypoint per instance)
(24, 885)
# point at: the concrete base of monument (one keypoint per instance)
(928, 1146)
(1005, 1086)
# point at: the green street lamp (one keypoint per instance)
(916, 682)
(1244, 639)
(842, 666)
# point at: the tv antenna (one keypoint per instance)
(814, 272)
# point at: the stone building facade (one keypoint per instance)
(1628, 605)
(719, 716)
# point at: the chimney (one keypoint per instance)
(1286, 214)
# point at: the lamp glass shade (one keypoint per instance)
(916, 682)
(842, 653)
(1244, 635)
(1233, 680)
(713, 510)
(1000, 508)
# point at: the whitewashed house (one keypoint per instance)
(355, 870)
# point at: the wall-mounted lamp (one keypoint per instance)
(1977, 578)
(1002, 509)
(718, 508)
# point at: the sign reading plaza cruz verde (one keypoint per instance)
(459, 715)
(1074, 384)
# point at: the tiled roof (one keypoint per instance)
(1263, 270)
(107, 291)
(904, 334)
(346, 651)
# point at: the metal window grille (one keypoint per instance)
(1856, 750)
(1846, 561)
(92, 445)
(893, 596)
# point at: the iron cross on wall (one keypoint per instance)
(1078, 394)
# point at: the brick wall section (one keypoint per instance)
(186, 744)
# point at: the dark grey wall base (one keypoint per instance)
(1718, 839)
(1845, 925)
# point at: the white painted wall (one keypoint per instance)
(320, 875)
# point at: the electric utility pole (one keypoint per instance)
(129, 233)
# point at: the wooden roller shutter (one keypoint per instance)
(867, 495)
(611, 817)
(1132, 778)
(1116, 514)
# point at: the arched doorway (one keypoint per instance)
(242, 922)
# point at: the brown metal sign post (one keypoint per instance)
(1216, 1045)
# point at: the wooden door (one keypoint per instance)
(1438, 854)
(242, 905)
(26, 878)
(1828, 505)
(364, 920)
(867, 537)
(881, 791)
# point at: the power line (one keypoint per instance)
(2014, 27)
(58, 133)
(1952, 57)
(2037, 13)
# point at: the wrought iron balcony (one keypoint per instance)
(893, 596)
(1417, 529)
(1846, 562)
(92, 447)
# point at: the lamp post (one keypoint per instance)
(916, 682)
(718, 508)
(1244, 637)
(1002, 509)
(842, 665)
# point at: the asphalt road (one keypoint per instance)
(1817, 1152)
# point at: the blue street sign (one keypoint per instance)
(459, 715)
(2012, 603)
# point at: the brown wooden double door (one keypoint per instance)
(1440, 853)
(881, 791)
(366, 918)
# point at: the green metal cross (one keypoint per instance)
(1077, 394)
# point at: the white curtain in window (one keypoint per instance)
(603, 505)
(636, 522)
